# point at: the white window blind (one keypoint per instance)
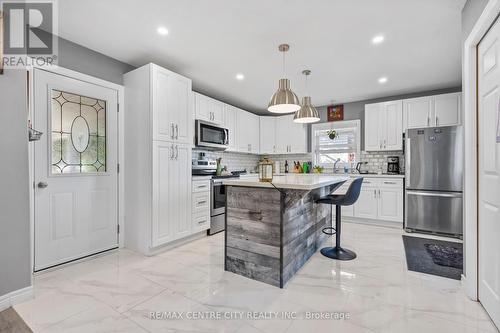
(344, 149)
(345, 142)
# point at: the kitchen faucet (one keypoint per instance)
(335, 165)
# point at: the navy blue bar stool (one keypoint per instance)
(339, 200)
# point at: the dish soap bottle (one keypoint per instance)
(286, 166)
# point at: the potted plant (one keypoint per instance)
(332, 134)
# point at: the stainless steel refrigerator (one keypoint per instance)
(434, 160)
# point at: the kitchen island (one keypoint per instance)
(272, 229)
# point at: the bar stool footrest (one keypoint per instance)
(329, 231)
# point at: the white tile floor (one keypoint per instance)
(117, 292)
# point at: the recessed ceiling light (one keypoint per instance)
(382, 80)
(240, 77)
(162, 31)
(378, 39)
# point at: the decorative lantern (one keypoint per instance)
(266, 170)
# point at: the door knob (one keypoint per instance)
(42, 185)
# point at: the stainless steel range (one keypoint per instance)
(206, 167)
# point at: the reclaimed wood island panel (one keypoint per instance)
(273, 229)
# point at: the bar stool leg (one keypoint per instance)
(338, 252)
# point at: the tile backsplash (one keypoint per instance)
(239, 161)
(233, 161)
(378, 160)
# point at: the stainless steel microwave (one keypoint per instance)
(211, 136)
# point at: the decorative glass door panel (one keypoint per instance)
(78, 133)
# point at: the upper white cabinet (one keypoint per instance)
(384, 126)
(432, 111)
(247, 132)
(267, 135)
(291, 137)
(447, 109)
(172, 105)
(208, 109)
(230, 115)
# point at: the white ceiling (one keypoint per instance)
(211, 41)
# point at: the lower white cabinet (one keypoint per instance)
(200, 205)
(379, 199)
(171, 192)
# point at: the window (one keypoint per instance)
(345, 148)
(78, 133)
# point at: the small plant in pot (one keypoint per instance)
(332, 134)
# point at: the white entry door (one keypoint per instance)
(75, 169)
(489, 172)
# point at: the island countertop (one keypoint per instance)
(306, 182)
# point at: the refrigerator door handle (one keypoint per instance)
(436, 194)
(407, 162)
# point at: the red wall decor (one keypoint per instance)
(335, 112)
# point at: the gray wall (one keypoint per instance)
(84, 60)
(356, 110)
(470, 13)
(15, 270)
(14, 194)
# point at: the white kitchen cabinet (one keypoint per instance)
(372, 124)
(417, 112)
(157, 158)
(384, 126)
(367, 205)
(390, 201)
(230, 115)
(209, 109)
(172, 105)
(200, 205)
(171, 192)
(291, 137)
(432, 111)
(447, 109)
(380, 199)
(267, 135)
(248, 132)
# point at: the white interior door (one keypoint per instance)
(75, 169)
(489, 172)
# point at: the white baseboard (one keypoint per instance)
(16, 297)
(177, 243)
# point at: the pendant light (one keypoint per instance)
(307, 113)
(284, 100)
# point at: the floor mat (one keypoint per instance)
(434, 257)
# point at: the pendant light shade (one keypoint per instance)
(307, 113)
(284, 100)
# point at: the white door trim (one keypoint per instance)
(103, 83)
(469, 85)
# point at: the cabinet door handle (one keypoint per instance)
(172, 130)
(385, 143)
(437, 121)
(176, 152)
(390, 183)
(202, 202)
(172, 153)
(428, 121)
(379, 194)
(176, 131)
(375, 194)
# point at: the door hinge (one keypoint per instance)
(118, 168)
(118, 228)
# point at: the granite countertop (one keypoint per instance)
(289, 181)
